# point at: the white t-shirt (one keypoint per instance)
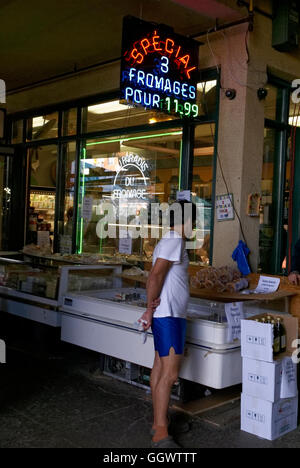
(174, 295)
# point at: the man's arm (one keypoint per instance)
(155, 284)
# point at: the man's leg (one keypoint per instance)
(169, 371)
(154, 379)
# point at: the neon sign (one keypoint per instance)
(158, 69)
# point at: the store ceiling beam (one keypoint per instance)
(221, 27)
(210, 8)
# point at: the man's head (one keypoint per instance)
(183, 216)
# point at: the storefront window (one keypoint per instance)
(112, 114)
(275, 183)
(42, 194)
(42, 127)
(271, 102)
(69, 122)
(266, 233)
(130, 173)
(17, 132)
(207, 97)
(66, 205)
(202, 190)
(294, 113)
(51, 209)
(5, 201)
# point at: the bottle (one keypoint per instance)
(282, 334)
(276, 339)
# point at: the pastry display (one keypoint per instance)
(220, 279)
(135, 271)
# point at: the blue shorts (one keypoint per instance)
(168, 332)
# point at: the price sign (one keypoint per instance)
(159, 69)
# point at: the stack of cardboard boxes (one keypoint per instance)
(269, 402)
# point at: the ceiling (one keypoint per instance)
(39, 39)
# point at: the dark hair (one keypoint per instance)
(183, 204)
(70, 212)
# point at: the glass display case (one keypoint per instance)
(34, 288)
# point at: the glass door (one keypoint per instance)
(42, 197)
(5, 201)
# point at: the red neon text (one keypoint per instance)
(154, 43)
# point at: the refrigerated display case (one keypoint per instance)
(35, 290)
(106, 321)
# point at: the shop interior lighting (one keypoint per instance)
(206, 85)
(154, 120)
(39, 122)
(108, 107)
(294, 121)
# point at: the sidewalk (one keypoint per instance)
(60, 401)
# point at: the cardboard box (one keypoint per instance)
(270, 380)
(262, 379)
(266, 419)
(257, 338)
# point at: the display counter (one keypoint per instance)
(106, 321)
(35, 289)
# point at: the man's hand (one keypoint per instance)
(294, 278)
(146, 318)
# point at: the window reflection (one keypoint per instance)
(42, 127)
(202, 190)
(207, 97)
(130, 173)
(266, 232)
(112, 114)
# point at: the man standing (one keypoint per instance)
(168, 280)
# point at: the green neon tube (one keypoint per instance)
(82, 197)
(134, 138)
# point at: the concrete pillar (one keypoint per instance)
(240, 142)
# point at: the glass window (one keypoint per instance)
(42, 194)
(112, 114)
(66, 206)
(275, 192)
(5, 201)
(69, 122)
(202, 190)
(294, 114)
(207, 97)
(270, 102)
(266, 233)
(42, 127)
(129, 173)
(273, 103)
(17, 131)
